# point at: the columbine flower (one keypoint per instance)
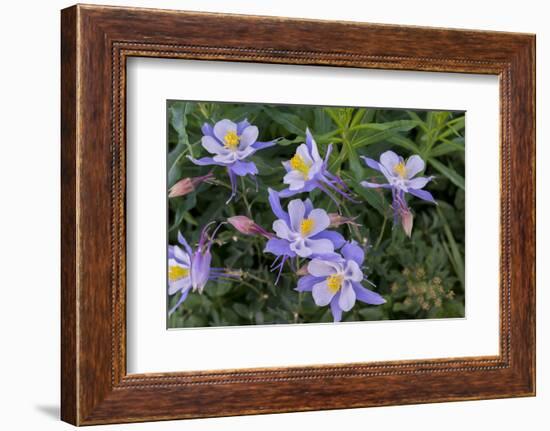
(337, 281)
(307, 171)
(300, 232)
(190, 270)
(188, 185)
(400, 176)
(248, 227)
(231, 143)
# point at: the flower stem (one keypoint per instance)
(353, 227)
(245, 198)
(382, 229)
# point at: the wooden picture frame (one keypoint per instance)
(96, 41)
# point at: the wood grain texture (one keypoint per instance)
(96, 41)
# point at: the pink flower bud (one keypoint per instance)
(406, 221)
(338, 220)
(187, 185)
(247, 226)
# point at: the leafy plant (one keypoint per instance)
(419, 277)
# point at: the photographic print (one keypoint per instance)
(291, 214)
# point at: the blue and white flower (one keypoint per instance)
(400, 176)
(337, 281)
(190, 270)
(307, 171)
(301, 231)
(231, 144)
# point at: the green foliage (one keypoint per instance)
(420, 277)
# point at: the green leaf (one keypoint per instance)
(399, 125)
(322, 121)
(177, 114)
(290, 122)
(453, 127)
(286, 142)
(241, 310)
(451, 248)
(341, 116)
(374, 197)
(404, 142)
(421, 123)
(386, 131)
(455, 178)
(447, 147)
(358, 117)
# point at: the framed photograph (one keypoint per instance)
(326, 222)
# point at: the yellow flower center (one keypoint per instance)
(298, 164)
(400, 169)
(177, 272)
(306, 226)
(231, 140)
(334, 282)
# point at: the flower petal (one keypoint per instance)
(281, 229)
(367, 296)
(418, 183)
(206, 161)
(388, 160)
(226, 158)
(241, 125)
(275, 203)
(185, 244)
(336, 238)
(305, 283)
(319, 246)
(207, 130)
(347, 297)
(286, 193)
(244, 153)
(181, 256)
(370, 185)
(352, 251)
(328, 153)
(175, 286)
(183, 297)
(422, 194)
(414, 165)
(322, 295)
(312, 146)
(279, 247)
(320, 219)
(353, 271)
(303, 152)
(315, 169)
(322, 268)
(200, 270)
(335, 308)
(213, 146)
(241, 168)
(295, 180)
(309, 206)
(300, 247)
(248, 137)
(261, 145)
(373, 164)
(296, 212)
(221, 128)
